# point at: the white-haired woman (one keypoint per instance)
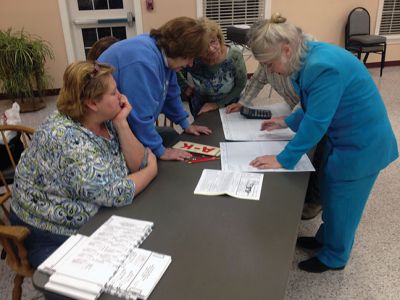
(340, 100)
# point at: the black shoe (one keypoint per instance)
(308, 242)
(314, 265)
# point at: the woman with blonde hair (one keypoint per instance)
(217, 78)
(339, 100)
(82, 157)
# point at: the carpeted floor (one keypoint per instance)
(374, 268)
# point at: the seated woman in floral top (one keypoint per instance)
(82, 157)
(216, 79)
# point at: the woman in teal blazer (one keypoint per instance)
(339, 100)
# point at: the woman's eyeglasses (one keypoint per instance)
(96, 69)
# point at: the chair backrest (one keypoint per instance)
(25, 134)
(358, 22)
(4, 196)
(163, 121)
(12, 237)
(10, 158)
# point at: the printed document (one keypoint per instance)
(236, 156)
(237, 128)
(235, 184)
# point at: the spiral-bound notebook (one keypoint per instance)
(84, 267)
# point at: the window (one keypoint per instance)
(388, 22)
(232, 12)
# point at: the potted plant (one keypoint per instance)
(22, 68)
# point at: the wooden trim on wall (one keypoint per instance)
(49, 92)
(392, 63)
(55, 92)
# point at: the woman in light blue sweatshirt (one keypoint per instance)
(145, 71)
(339, 100)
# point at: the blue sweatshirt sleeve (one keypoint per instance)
(173, 106)
(143, 88)
(323, 89)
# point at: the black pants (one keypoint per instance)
(313, 190)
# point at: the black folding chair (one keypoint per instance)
(358, 38)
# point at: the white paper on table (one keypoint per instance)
(235, 184)
(149, 275)
(236, 156)
(139, 274)
(237, 128)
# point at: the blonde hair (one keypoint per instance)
(83, 80)
(213, 30)
(266, 37)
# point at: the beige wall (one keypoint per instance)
(43, 19)
(165, 10)
(325, 19)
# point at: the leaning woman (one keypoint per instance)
(84, 156)
(340, 100)
(217, 78)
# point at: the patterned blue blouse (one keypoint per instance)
(67, 174)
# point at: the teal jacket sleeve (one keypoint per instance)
(321, 90)
(294, 119)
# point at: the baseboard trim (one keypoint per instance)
(392, 63)
(49, 92)
(55, 92)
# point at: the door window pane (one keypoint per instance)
(104, 31)
(119, 32)
(89, 36)
(100, 4)
(115, 4)
(85, 5)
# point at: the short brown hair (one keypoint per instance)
(100, 46)
(83, 80)
(181, 37)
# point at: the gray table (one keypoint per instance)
(221, 247)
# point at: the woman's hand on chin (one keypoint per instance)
(122, 115)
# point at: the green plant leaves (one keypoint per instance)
(22, 64)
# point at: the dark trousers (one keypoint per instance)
(40, 243)
(313, 188)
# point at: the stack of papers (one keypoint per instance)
(237, 128)
(83, 266)
(236, 178)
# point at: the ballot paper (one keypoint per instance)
(235, 184)
(237, 128)
(137, 277)
(236, 156)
